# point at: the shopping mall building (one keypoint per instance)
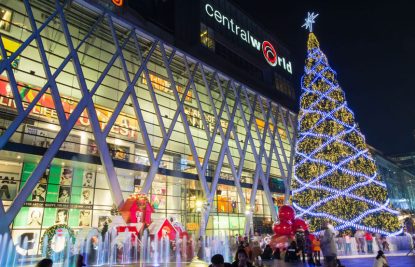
(189, 102)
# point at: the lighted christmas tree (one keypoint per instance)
(335, 175)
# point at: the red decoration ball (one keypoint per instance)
(299, 223)
(276, 228)
(286, 213)
(283, 228)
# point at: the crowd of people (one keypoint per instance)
(317, 250)
(305, 247)
(364, 242)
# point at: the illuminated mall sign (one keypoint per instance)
(269, 52)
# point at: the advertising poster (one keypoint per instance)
(61, 216)
(116, 151)
(119, 152)
(41, 137)
(9, 183)
(158, 196)
(92, 148)
(85, 217)
(64, 194)
(34, 218)
(87, 196)
(88, 178)
(66, 176)
(39, 193)
(26, 241)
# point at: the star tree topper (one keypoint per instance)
(309, 21)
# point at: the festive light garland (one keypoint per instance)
(351, 223)
(331, 146)
(50, 232)
(335, 168)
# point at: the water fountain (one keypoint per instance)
(112, 248)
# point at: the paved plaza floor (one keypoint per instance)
(394, 261)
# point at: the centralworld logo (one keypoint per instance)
(269, 53)
(245, 35)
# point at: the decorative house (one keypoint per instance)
(180, 229)
(162, 228)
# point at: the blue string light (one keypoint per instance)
(316, 74)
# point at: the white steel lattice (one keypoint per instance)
(235, 100)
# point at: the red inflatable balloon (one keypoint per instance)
(276, 228)
(286, 213)
(299, 223)
(283, 228)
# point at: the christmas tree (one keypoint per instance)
(335, 175)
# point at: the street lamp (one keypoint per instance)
(247, 210)
(199, 205)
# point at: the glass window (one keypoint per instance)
(6, 18)
(207, 36)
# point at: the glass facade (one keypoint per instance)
(94, 109)
(400, 183)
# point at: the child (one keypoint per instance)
(316, 250)
(309, 246)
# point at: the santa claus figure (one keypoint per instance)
(144, 210)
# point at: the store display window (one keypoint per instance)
(6, 16)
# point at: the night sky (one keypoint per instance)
(370, 44)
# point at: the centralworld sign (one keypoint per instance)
(268, 50)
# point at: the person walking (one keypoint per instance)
(411, 240)
(339, 242)
(378, 239)
(300, 240)
(358, 236)
(369, 242)
(385, 244)
(380, 260)
(256, 252)
(328, 246)
(248, 250)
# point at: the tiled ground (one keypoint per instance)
(394, 261)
